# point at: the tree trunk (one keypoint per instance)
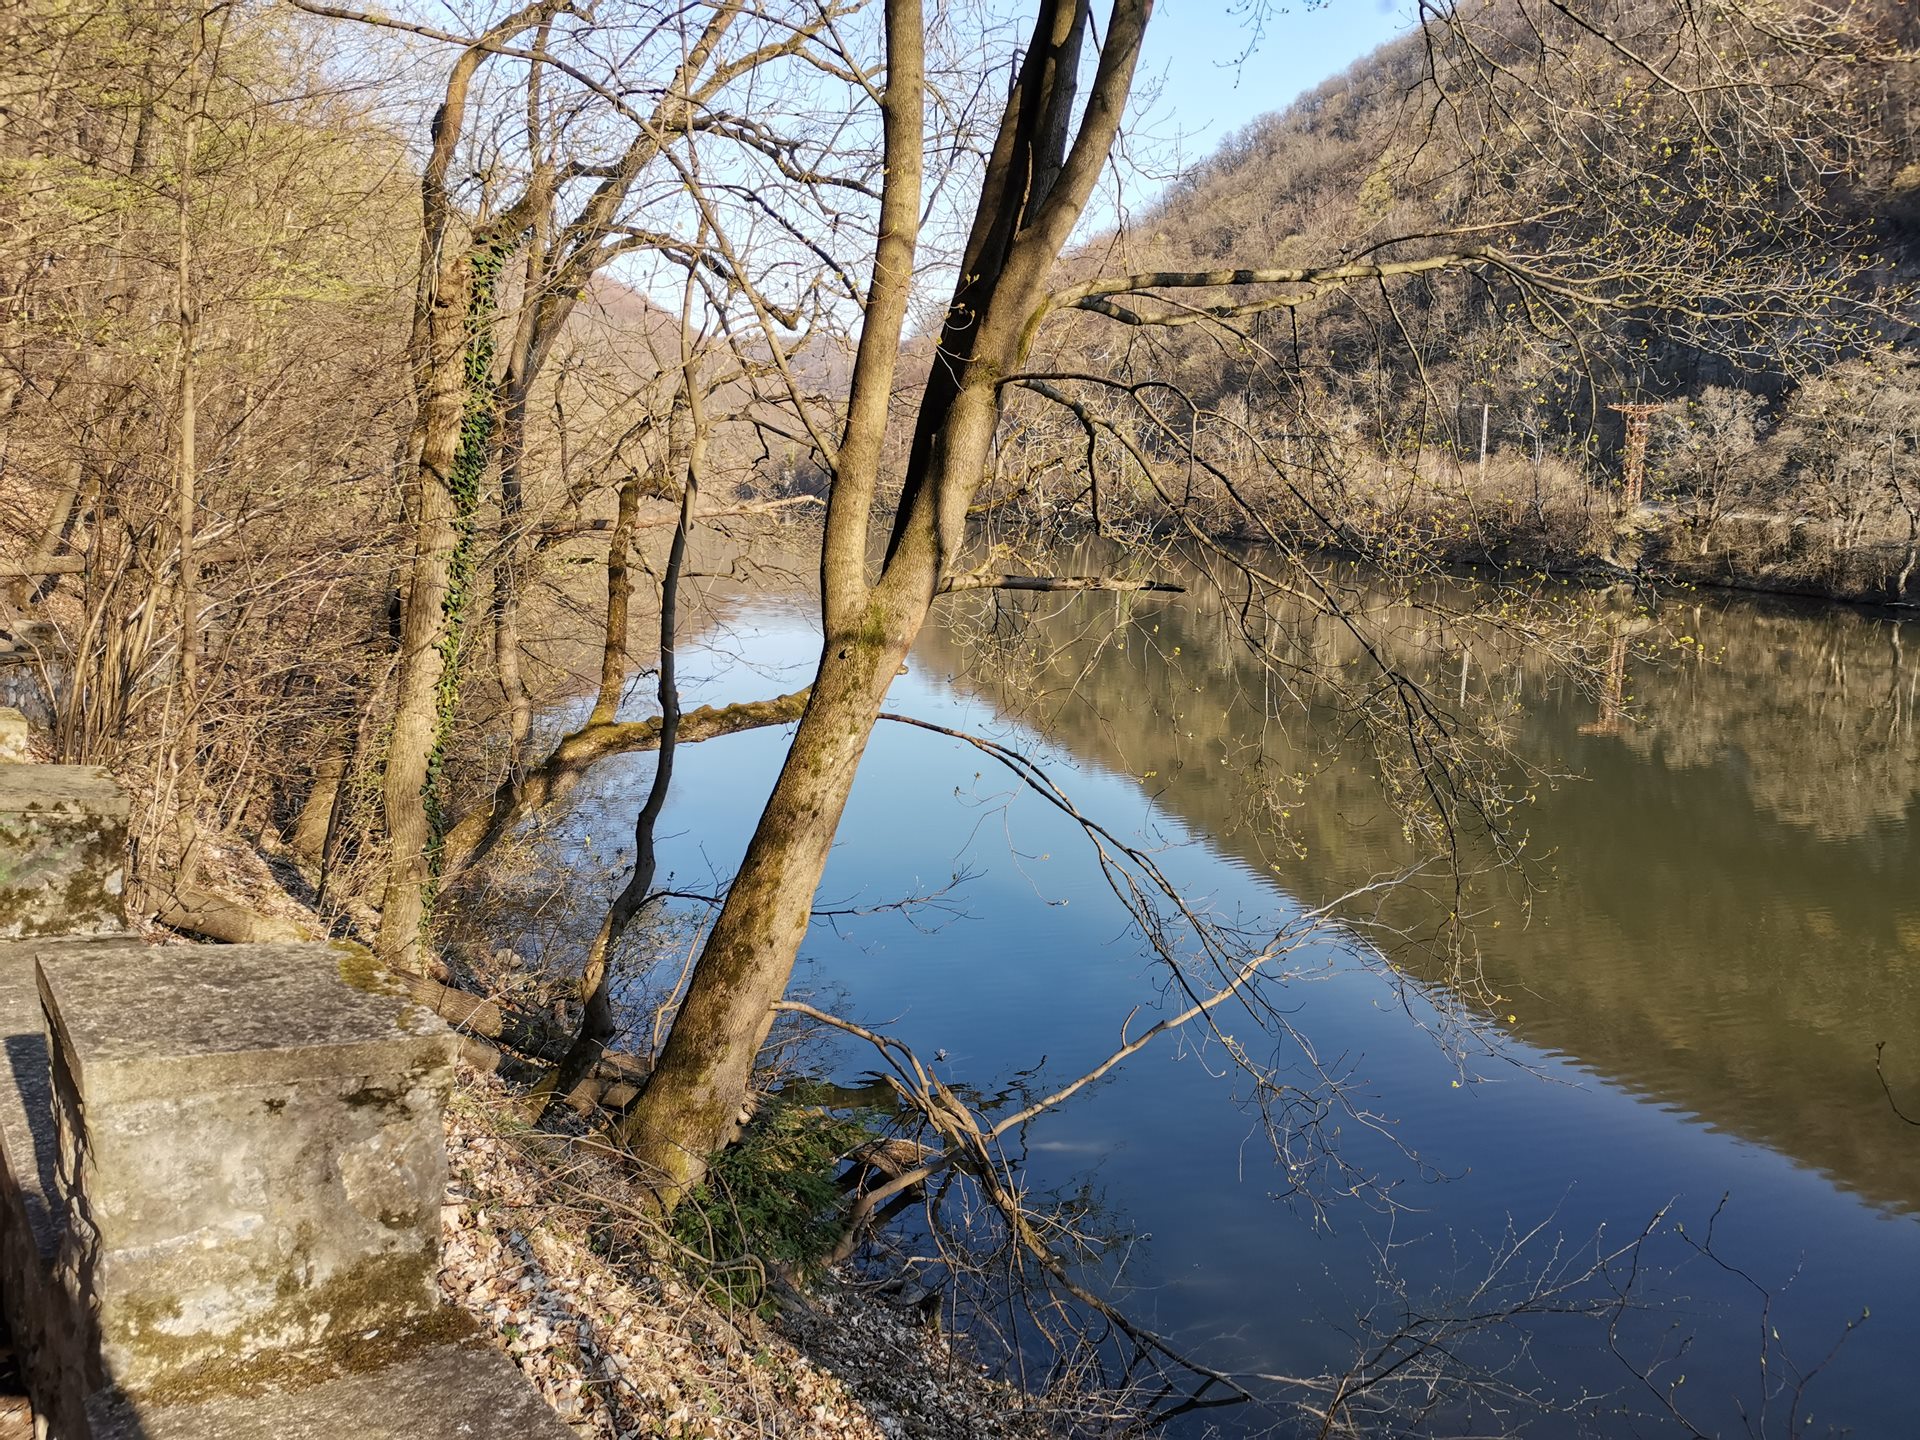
(309, 837)
(440, 335)
(451, 352)
(516, 387)
(1037, 181)
(507, 582)
(614, 662)
(214, 917)
(689, 1107)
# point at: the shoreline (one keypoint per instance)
(1642, 558)
(624, 1345)
(543, 1250)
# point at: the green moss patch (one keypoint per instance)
(772, 1199)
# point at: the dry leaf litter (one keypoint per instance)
(623, 1350)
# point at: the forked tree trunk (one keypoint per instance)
(1037, 180)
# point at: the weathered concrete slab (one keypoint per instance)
(51, 1335)
(466, 1391)
(250, 1155)
(234, 1014)
(63, 849)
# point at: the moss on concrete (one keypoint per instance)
(337, 1310)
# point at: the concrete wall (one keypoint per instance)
(221, 1169)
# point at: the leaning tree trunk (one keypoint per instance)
(690, 1107)
(1037, 181)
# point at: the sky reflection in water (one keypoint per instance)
(1730, 919)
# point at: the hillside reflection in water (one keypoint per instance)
(1727, 912)
(1725, 921)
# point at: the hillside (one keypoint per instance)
(1758, 289)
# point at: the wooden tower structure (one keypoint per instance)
(1633, 471)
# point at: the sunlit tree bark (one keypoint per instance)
(1039, 175)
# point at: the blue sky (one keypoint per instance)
(1191, 54)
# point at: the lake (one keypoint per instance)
(1671, 1011)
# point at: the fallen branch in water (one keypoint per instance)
(970, 1145)
(517, 797)
(954, 584)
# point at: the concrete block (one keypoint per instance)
(250, 1157)
(448, 1392)
(51, 1333)
(14, 749)
(63, 850)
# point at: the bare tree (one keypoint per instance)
(1049, 148)
(559, 201)
(1041, 171)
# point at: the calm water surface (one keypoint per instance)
(1725, 921)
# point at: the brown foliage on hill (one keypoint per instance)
(1483, 236)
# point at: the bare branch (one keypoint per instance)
(954, 584)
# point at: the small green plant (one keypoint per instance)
(771, 1199)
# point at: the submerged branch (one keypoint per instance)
(970, 1146)
(518, 797)
(954, 584)
(1880, 1073)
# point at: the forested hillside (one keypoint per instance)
(1786, 446)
